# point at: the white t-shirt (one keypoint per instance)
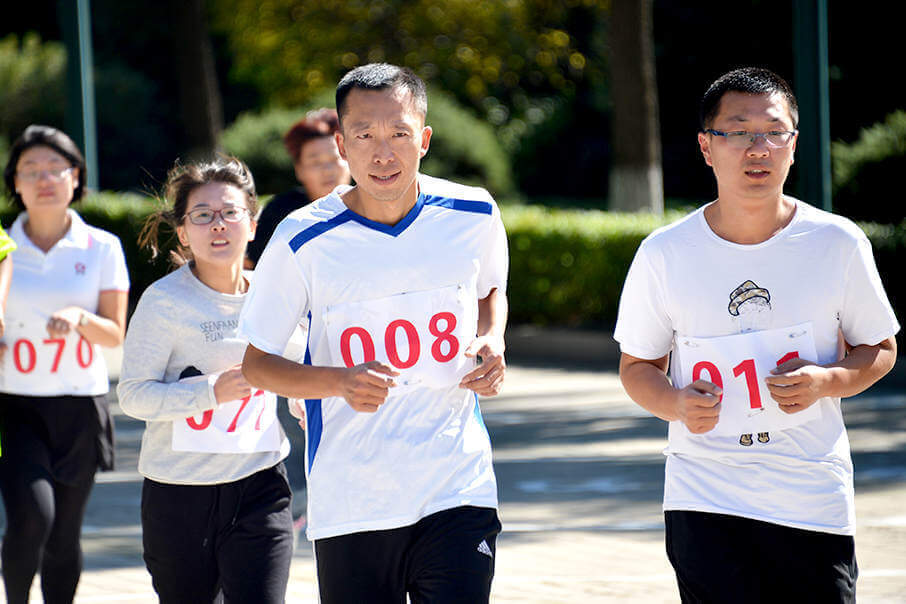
(406, 295)
(84, 263)
(816, 278)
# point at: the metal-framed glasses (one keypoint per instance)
(203, 216)
(740, 139)
(54, 175)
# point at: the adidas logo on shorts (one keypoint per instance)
(484, 549)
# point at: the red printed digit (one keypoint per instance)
(390, 344)
(713, 374)
(84, 362)
(788, 357)
(748, 367)
(29, 366)
(364, 338)
(263, 408)
(61, 343)
(445, 335)
(245, 401)
(206, 418)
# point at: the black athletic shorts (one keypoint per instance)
(443, 558)
(721, 558)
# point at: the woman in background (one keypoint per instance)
(215, 500)
(318, 166)
(67, 298)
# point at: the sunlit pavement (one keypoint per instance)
(580, 473)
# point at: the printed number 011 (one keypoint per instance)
(746, 368)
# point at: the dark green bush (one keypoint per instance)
(463, 147)
(566, 266)
(868, 172)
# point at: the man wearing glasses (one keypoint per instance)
(767, 312)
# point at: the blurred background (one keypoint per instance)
(550, 104)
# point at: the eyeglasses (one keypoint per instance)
(206, 216)
(55, 175)
(740, 139)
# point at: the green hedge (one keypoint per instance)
(566, 266)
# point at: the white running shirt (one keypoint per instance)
(817, 275)
(406, 295)
(81, 265)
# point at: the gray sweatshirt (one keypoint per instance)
(181, 323)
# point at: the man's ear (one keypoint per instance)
(704, 143)
(427, 131)
(341, 144)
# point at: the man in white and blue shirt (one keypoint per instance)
(401, 282)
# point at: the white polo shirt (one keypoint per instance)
(406, 295)
(85, 262)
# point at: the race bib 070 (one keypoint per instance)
(738, 364)
(247, 425)
(36, 362)
(423, 335)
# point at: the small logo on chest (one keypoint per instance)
(79, 268)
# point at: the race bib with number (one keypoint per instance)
(738, 364)
(248, 425)
(35, 363)
(421, 334)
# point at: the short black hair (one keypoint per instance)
(748, 80)
(382, 76)
(43, 136)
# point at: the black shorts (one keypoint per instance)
(444, 557)
(65, 438)
(721, 558)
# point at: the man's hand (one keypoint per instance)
(487, 378)
(63, 321)
(231, 386)
(797, 384)
(365, 387)
(698, 406)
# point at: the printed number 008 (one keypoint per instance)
(440, 336)
(746, 368)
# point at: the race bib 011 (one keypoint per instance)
(738, 364)
(421, 334)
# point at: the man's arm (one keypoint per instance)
(797, 384)
(646, 382)
(487, 378)
(365, 387)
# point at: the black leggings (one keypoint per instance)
(43, 523)
(47, 469)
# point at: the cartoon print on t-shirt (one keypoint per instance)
(751, 306)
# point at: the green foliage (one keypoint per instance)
(868, 172)
(31, 83)
(463, 147)
(567, 267)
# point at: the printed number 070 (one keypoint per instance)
(745, 368)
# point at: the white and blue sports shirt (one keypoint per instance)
(404, 294)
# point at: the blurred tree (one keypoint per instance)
(522, 64)
(636, 181)
(201, 109)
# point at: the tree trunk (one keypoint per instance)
(201, 111)
(636, 179)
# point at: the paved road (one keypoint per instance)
(581, 475)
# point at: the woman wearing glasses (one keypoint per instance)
(67, 298)
(215, 500)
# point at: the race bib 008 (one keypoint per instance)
(738, 364)
(421, 334)
(247, 425)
